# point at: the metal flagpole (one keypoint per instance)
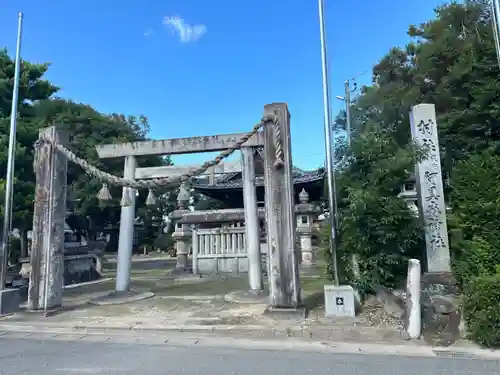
(332, 193)
(7, 216)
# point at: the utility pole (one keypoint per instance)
(347, 99)
(9, 186)
(332, 193)
(495, 8)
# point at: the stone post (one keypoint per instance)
(413, 314)
(305, 217)
(284, 284)
(47, 251)
(430, 188)
(127, 226)
(182, 233)
(252, 227)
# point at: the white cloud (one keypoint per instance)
(149, 32)
(187, 33)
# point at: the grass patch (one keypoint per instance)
(313, 292)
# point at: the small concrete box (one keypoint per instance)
(340, 301)
(9, 301)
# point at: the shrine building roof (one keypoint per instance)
(230, 181)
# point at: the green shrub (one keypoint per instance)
(384, 235)
(474, 223)
(473, 258)
(375, 224)
(482, 310)
(475, 243)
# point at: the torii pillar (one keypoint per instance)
(284, 283)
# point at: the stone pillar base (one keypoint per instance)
(441, 315)
(182, 261)
(182, 250)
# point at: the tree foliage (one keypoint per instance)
(475, 202)
(202, 202)
(38, 108)
(450, 62)
(482, 310)
(375, 223)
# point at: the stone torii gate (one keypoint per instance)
(51, 166)
(284, 279)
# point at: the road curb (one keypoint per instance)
(279, 335)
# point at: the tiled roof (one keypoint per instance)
(233, 180)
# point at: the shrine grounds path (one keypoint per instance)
(173, 355)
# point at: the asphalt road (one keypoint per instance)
(53, 357)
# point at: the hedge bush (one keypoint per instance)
(476, 257)
(475, 243)
(475, 219)
(375, 224)
(482, 310)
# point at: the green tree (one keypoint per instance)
(475, 203)
(32, 88)
(88, 128)
(203, 203)
(451, 62)
(375, 224)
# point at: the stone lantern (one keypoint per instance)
(410, 195)
(182, 232)
(306, 213)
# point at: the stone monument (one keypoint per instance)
(441, 316)
(430, 188)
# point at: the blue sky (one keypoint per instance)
(198, 67)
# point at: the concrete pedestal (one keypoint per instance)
(9, 301)
(341, 300)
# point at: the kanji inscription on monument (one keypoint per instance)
(430, 187)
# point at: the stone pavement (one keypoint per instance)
(205, 305)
